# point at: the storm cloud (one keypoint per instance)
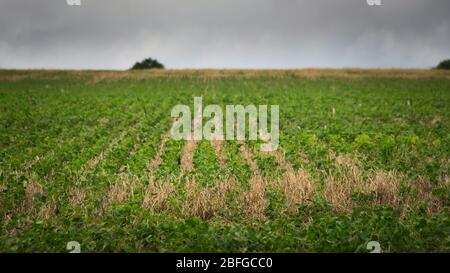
(112, 34)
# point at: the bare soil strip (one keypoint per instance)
(32, 189)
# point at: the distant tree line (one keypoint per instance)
(444, 64)
(148, 63)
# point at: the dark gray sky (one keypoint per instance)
(112, 34)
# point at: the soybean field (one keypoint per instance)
(87, 156)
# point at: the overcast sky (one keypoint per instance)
(112, 34)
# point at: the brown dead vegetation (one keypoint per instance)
(338, 192)
(187, 156)
(339, 188)
(255, 202)
(100, 76)
(117, 189)
(156, 160)
(385, 186)
(32, 189)
(157, 192)
(298, 189)
(121, 189)
(77, 196)
(218, 147)
(209, 201)
(297, 186)
(423, 192)
(48, 210)
(156, 195)
(217, 144)
(33, 162)
(248, 156)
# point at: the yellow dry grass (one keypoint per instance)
(298, 189)
(156, 195)
(255, 202)
(33, 162)
(48, 210)
(339, 188)
(156, 160)
(121, 189)
(187, 156)
(297, 186)
(385, 186)
(32, 188)
(423, 192)
(248, 156)
(103, 120)
(338, 192)
(77, 195)
(207, 202)
(157, 192)
(218, 147)
(445, 181)
(217, 143)
(100, 76)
